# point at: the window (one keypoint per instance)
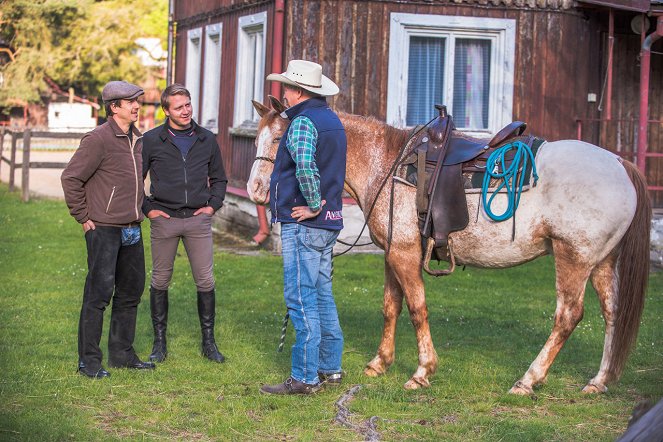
(211, 78)
(466, 63)
(250, 66)
(192, 83)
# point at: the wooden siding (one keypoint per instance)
(237, 152)
(561, 57)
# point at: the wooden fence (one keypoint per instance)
(25, 165)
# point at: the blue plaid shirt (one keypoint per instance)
(301, 142)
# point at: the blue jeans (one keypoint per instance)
(307, 287)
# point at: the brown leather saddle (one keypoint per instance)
(437, 161)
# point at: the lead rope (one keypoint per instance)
(512, 178)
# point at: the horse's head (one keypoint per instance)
(270, 129)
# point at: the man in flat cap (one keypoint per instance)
(103, 188)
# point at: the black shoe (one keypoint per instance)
(331, 379)
(290, 386)
(206, 314)
(211, 352)
(137, 364)
(159, 310)
(91, 373)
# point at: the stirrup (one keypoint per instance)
(430, 245)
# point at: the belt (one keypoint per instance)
(181, 213)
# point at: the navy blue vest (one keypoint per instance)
(330, 153)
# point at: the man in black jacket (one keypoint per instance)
(188, 184)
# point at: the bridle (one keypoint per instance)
(270, 160)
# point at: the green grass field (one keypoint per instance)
(487, 327)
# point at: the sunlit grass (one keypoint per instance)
(487, 327)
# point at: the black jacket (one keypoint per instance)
(178, 183)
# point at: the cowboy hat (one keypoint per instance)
(306, 75)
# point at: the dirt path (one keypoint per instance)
(43, 182)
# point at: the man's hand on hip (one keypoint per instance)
(301, 213)
(156, 213)
(88, 225)
(206, 210)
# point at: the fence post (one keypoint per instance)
(12, 161)
(25, 177)
(2, 145)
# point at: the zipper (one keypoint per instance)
(276, 201)
(186, 191)
(110, 199)
(132, 144)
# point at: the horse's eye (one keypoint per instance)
(276, 140)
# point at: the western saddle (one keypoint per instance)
(438, 161)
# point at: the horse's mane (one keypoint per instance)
(394, 138)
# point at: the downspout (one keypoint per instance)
(611, 49)
(645, 61)
(171, 28)
(277, 66)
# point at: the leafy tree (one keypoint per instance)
(77, 43)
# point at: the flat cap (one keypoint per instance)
(116, 90)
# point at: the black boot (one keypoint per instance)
(159, 308)
(206, 313)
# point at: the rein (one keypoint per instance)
(415, 131)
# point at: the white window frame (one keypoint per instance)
(194, 46)
(501, 32)
(244, 111)
(209, 116)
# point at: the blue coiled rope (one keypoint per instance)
(508, 177)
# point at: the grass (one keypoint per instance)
(487, 326)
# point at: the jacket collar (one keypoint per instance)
(297, 109)
(163, 132)
(118, 132)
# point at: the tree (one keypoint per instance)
(77, 43)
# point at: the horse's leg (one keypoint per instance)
(392, 306)
(571, 277)
(604, 281)
(411, 281)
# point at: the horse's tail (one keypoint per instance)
(633, 274)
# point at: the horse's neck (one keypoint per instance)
(372, 149)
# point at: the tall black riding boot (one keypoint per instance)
(159, 308)
(206, 313)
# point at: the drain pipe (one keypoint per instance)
(277, 66)
(171, 35)
(645, 62)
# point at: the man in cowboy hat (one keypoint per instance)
(103, 189)
(306, 189)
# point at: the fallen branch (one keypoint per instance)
(343, 417)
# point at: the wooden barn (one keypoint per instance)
(570, 69)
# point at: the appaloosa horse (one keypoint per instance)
(590, 210)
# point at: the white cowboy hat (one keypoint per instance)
(306, 75)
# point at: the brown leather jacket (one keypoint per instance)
(103, 181)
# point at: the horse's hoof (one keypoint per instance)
(416, 383)
(594, 388)
(521, 389)
(371, 372)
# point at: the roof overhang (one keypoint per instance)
(627, 5)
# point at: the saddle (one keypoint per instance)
(439, 161)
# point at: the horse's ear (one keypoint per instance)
(260, 108)
(276, 104)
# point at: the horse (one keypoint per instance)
(590, 210)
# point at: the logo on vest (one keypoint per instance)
(333, 215)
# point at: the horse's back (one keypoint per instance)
(583, 197)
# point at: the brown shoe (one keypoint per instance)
(290, 386)
(330, 379)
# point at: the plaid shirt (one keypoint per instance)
(301, 142)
